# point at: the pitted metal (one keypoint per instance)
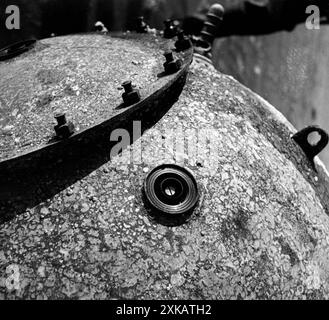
(48, 79)
(260, 230)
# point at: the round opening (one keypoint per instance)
(170, 190)
(171, 193)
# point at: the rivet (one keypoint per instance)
(170, 30)
(169, 56)
(127, 86)
(131, 95)
(183, 43)
(141, 26)
(60, 118)
(64, 129)
(171, 65)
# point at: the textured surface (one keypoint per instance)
(261, 230)
(288, 69)
(79, 75)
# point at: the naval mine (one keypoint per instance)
(82, 221)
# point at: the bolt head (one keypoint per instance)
(59, 114)
(170, 30)
(183, 43)
(64, 131)
(60, 118)
(141, 26)
(169, 56)
(173, 66)
(127, 85)
(180, 35)
(131, 97)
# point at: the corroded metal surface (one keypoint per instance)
(80, 75)
(156, 97)
(261, 229)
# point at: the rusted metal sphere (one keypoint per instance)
(260, 229)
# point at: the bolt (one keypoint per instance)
(183, 43)
(171, 65)
(141, 26)
(169, 56)
(170, 29)
(131, 95)
(127, 86)
(60, 118)
(64, 128)
(100, 27)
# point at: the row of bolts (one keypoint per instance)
(65, 129)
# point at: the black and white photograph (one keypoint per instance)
(164, 155)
